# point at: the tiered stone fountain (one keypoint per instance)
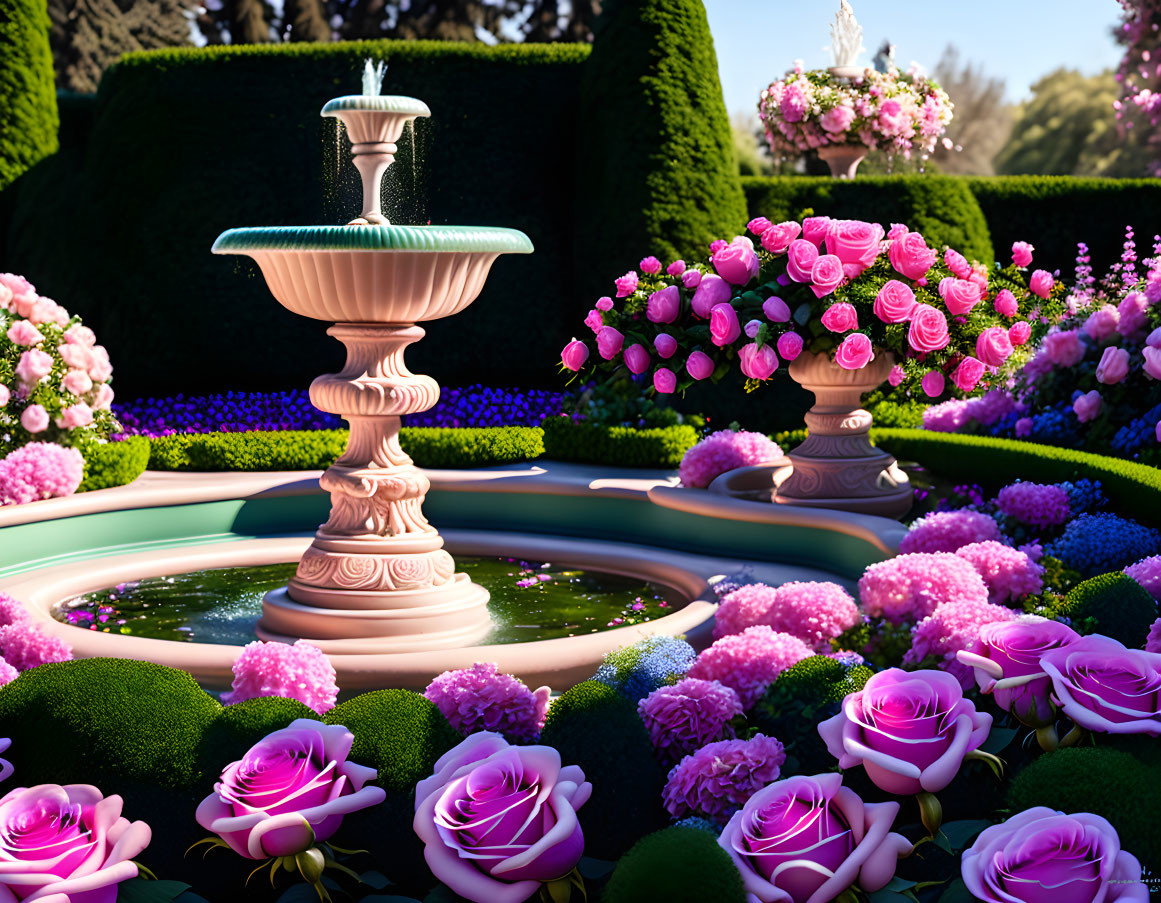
(376, 578)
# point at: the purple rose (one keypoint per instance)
(291, 789)
(1104, 687)
(1113, 366)
(737, 262)
(664, 381)
(758, 363)
(665, 344)
(933, 383)
(904, 754)
(776, 310)
(609, 342)
(910, 255)
(700, 365)
(800, 259)
(789, 345)
(664, 305)
(626, 284)
(691, 278)
(807, 839)
(1041, 855)
(1041, 283)
(637, 358)
(1088, 406)
(840, 317)
(825, 275)
(778, 237)
(497, 821)
(724, 325)
(711, 291)
(574, 355)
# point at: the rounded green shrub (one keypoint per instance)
(27, 89)
(677, 865)
(114, 463)
(1115, 605)
(239, 726)
(593, 726)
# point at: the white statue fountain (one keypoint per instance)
(846, 43)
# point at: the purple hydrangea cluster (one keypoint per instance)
(750, 661)
(946, 531)
(1010, 574)
(301, 672)
(1035, 504)
(1147, 572)
(686, 716)
(907, 588)
(481, 698)
(952, 416)
(716, 781)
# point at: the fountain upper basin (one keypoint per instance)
(374, 273)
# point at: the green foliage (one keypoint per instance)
(677, 865)
(596, 728)
(895, 410)
(114, 463)
(1111, 604)
(27, 92)
(659, 176)
(468, 447)
(621, 446)
(941, 207)
(1108, 782)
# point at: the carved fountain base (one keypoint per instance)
(376, 578)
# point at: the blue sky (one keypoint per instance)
(1018, 40)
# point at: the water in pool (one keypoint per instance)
(530, 601)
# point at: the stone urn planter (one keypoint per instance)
(843, 159)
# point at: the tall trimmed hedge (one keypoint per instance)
(28, 115)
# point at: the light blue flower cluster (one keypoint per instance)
(636, 671)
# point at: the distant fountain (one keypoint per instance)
(846, 42)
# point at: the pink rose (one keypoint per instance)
(1041, 854)
(933, 383)
(910, 255)
(979, 276)
(626, 284)
(1113, 366)
(902, 754)
(1087, 406)
(994, 346)
(1152, 365)
(665, 344)
(699, 365)
(80, 335)
(808, 839)
(676, 268)
(498, 821)
(897, 230)
(896, 376)
(957, 263)
(609, 342)
(928, 330)
(776, 310)
(5, 296)
(24, 333)
(291, 789)
(825, 275)
(1132, 321)
(79, 357)
(664, 305)
(800, 259)
(1006, 662)
(34, 366)
(664, 380)
(574, 355)
(1064, 349)
(74, 416)
(838, 119)
(968, 374)
(724, 326)
(1022, 253)
(1102, 323)
(1041, 283)
(1005, 304)
(605, 303)
(104, 397)
(593, 320)
(99, 367)
(855, 243)
(1020, 332)
(778, 237)
(959, 295)
(711, 291)
(637, 358)
(650, 265)
(758, 363)
(691, 278)
(758, 225)
(34, 419)
(854, 352)
(895, 302)
(1106, 688)
(737, 262)
(789, 345)
(840, 317)
(66, 843)
(814, 229)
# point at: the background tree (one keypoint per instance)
(305, 20)
(982, 121)
(750, 146)
(27, 99)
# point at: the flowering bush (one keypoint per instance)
(723, 451)
(899, 112)
(907, 588)
(1010, 574)
(40, 470)
(748, 662)
(482, 698)
(947, 531)
(716, 781)
(638, 670)
(301, 672)
(683, 718)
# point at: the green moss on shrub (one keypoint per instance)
(114, 463)
(596, 728)
(27, 89)
(677, 865)
(241, 725)
(1111, 604)
(470, 447)
(619, 446)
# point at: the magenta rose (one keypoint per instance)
(711, 291)
(605, 303)
(664, 305)
(968, 374)
(574, 355)
(896, 376)
(6, 768)
(928, 331)
(66, 844)
(497, 821)
(609, 342)
(825, 275)
(994, 346)
(854, 352)
(291, 789)
(1105, 687)
(1005, 304)
(1113, 366)
(664, 380)
(691, 278)
(665, 344)
(789, 345)
(933, 383)
(910, 730)
(1102, 323)
(626, 284)
(737, 262)
(910, 255)
(776, 310)
(676, 268)
(650, 265)
(1152, 363)
(636, 358)
(957, 263)
(1041, 283)
(758, 363)
(855, 243)
(895, 302)
(800, 259)
(1020, 332)
(1006, 662)
(814, 229)
(758, 225)
(724, 325)
(807, 839)
(1041, 855)
(1022, 253)
(778, 237)
(699, 365)
(959, 295)
(840, 317)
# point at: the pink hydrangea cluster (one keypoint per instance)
(816, 612)
(716, 781)
(24, 645)
(746, 606)
(1035, 504)
(723, 451)
(750, 661)
(1010, 574)
(301, 672)
(12, 611)
(39, 470)
(953, 627)
(686, 716)
(7, 674)
(481, 698)
(946, 531)
(1147, 572)
(907, 588)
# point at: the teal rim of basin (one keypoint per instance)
(431, 239)
(377, 103)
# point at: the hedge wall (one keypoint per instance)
(28, 115)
